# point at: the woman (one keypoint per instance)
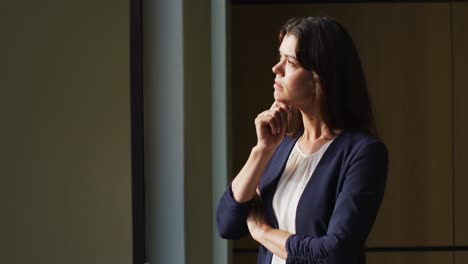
(312, 186)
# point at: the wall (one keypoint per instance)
(414, 61)
(65, 136)
(460, 110)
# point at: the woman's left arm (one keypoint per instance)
(354, 214)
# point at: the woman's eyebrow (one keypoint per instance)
(287, 55)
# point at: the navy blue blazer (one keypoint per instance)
(336, 210)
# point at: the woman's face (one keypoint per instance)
(293, 85)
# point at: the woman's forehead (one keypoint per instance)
(288, 46)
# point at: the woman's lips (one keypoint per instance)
(276, 85)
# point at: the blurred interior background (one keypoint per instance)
(67, 81)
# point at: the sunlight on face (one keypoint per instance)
(293, 85)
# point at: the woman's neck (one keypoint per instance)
(314, 127)
(316, 134)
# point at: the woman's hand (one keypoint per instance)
(271, 125)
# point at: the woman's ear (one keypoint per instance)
(314, 83)
(314, 80)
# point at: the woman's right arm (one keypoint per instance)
(245, 183)
(234, 206)
(270, 126)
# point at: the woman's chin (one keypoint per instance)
(277, 96)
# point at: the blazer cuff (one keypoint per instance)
(231, 202)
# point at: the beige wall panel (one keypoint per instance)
(460, 78)
(65, 189)
(410, 85)
(405, 49)
(461, 257)
(410, 258)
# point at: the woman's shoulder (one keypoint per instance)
(352, 141)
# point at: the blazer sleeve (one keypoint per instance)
(231, 216)
(354, 213)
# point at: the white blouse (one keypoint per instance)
(297, 173)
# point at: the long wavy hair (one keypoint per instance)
(326, 48)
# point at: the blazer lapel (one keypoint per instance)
(270, 177)
(276, 164)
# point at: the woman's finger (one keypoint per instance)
(275, 118)
(275, 121)
(265, 119)
(283, 109)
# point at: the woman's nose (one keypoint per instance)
(277, 68)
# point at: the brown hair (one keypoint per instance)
(326, 48)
